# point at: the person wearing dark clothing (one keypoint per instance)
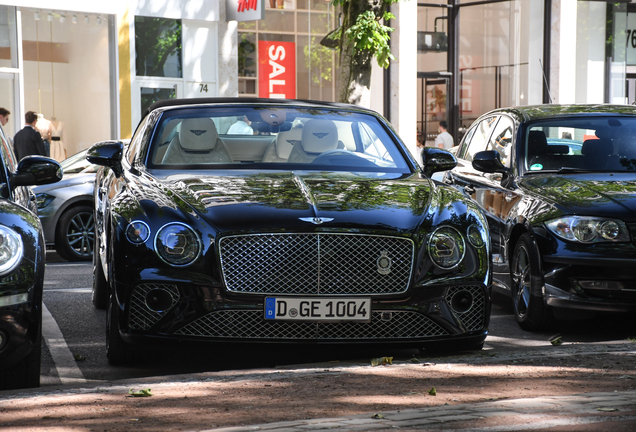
(28, 141)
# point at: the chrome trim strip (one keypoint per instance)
(14, 299)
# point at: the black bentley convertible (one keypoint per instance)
(256, 220)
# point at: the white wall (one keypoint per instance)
(404, 73)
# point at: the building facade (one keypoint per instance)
(96, 66)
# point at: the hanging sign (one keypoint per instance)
(244, 10)
(277, 70)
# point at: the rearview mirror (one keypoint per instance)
(436, 160)
(488, 161)
(108, 154)
(35, 171)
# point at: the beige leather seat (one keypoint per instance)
(280, 149)
(197, 143)
(318, 136)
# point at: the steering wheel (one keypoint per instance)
(343, 158)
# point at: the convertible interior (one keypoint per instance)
(306, 140)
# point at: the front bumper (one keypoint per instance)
(207, 313)
(19, 331)
(600, 284)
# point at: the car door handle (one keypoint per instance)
(469, 190)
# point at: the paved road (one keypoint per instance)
(75, 350)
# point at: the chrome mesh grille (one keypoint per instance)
(329, 264)
(473, 318)
(252, 325)
(140, 317)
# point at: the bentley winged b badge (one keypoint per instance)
(316, 220)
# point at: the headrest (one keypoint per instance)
(319, 136)
(536, 138)
(595, 147)
(558, 149)
(168, 130)
(285, 141)
(198, 134)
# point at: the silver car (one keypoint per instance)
(66, 209)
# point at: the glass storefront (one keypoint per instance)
(281, 56)
(67, 74)
(9, 63)
(500, 57)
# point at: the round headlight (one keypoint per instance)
(609, 230)
(11, 249)
(177, 244)
(137, 232)
(475, 237)
(446, 247)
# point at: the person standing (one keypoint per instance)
(444, 140)
(28, 141)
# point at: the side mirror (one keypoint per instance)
(436, 160)
(108, 154)
(488, 161)
(35, 171)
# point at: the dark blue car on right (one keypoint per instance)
(562, 222)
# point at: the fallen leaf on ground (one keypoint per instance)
(140, 393)
(556, 340)
(377, 416)
(432, 392)
(381, 361)
(79, 357)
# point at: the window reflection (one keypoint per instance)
(158, 47)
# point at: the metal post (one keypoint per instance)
(547, 35)
(453, 68)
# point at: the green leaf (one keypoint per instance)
(556, 340)
(140, 393)
(381, 361)
(432, 391)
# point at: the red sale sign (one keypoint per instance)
(277, 70)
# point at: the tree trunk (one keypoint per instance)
(354, 83)
(355, 77)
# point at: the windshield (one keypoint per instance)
(581, 144)
(273, 138)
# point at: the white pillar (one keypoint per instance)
(404, 72)
(563, 52)
(228, 55)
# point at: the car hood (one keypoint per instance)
(269, 202)
(608, 195)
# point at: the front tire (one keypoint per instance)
(117, 350)
(530, 309)
(75, 234)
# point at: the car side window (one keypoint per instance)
(501, 140)
(480, 137)
(465, 142)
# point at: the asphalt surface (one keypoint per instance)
(67, 295)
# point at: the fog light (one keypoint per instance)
(158, 300)
(462, 301)
(602, 285)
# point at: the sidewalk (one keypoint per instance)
(602, 411)
(484, 392)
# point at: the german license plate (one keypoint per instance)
(317, 309)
